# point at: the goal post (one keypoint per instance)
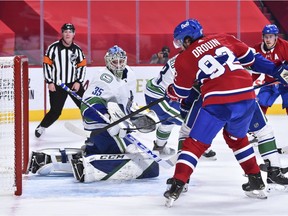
(14, 123)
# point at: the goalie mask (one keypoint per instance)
(116, 61)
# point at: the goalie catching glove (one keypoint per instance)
(145, 122)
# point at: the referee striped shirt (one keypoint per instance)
(67, 64)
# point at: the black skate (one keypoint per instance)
(209, 155)
(169, 184)
(163, 150)
(264, 168)
(174, 192)
(252, 138)
(275, 178)
(255, 186)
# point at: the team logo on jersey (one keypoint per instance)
(106, 77)
(73, 58)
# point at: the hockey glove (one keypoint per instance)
(185, 107)
(282, 74)
(170, 94)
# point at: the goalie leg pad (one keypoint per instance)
(46, 161)
(119, 166)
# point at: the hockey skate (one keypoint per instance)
(163, 150)
(174, 192)
(275, 178)
(39, 131)
(209, 155)
(255, 186)
(252, 139)
(169, 184)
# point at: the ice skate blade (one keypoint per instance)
(185, 188)
(214, 158)
(169, 202)
(258, 194)
(276, 187)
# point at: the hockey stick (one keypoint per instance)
(158, 122)
(130, 115)
(129, 137)
(266, 84)
(72, 128)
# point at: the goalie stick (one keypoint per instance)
(167, 163)
(129, 137)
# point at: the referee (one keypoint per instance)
(65, 61)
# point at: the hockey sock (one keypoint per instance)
(243, 152)
(188, 158)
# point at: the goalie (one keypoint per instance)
(106, 155)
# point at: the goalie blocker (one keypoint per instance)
(95, 167)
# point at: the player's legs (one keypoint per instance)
(266, 140)
(170, 115)
(57, 101)
(202, 133)
(162, 135)
(80, 92)
(267, 147)
(188, 123)
(267, 96)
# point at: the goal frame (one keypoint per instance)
(21, 119)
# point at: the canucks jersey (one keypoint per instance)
(104, 88)
(156, 86)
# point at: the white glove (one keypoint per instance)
(119, 129)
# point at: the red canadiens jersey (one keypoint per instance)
(216, 61)
(278, 54)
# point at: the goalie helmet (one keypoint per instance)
(188, 28)
(116, 61)
(68, 26)
(270, 29)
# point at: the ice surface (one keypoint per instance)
(215, 187)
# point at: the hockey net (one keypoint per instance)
(14, 123)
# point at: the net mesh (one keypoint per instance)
(7, 121)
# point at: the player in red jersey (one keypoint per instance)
(275, 49)
(216, 61)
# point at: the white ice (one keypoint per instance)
(215, 186)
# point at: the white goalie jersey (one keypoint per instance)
(108, 88)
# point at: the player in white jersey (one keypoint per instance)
(169, 113)
(107, 155)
